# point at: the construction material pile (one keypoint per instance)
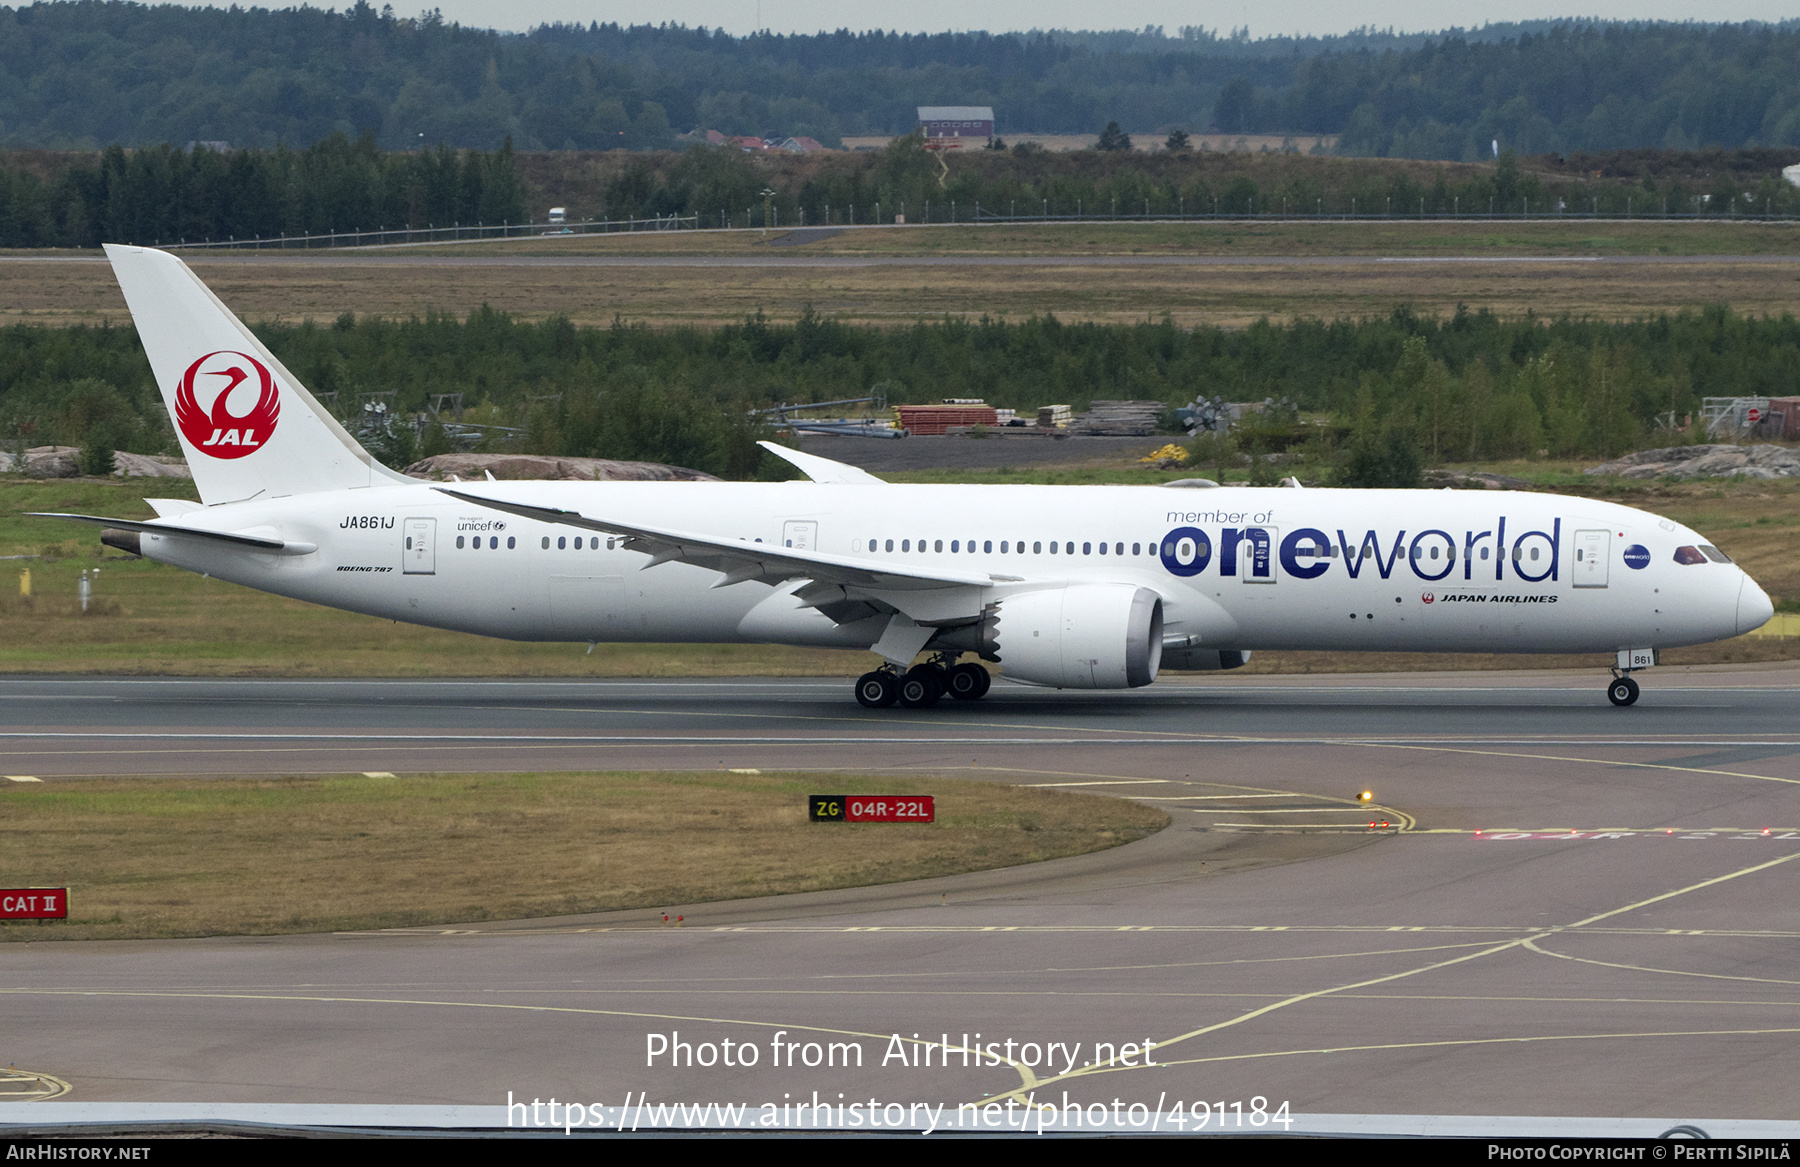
(1121, 419)
(937, 419)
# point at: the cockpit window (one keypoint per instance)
(1689, 555)
(1714, 554)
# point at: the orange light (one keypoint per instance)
(1365, 796)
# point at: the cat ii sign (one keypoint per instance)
(34, 903)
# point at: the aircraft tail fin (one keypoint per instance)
(248, 427)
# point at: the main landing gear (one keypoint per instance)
(921, 686)
(1623, 690)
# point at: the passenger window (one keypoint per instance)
(459, 542)
(409, 542)
(906, 544)
(955, 545)
(1103, 549)
(546, 543)
(1038, 548)
(1688, 556)
(1053, 548)
(561, 542)
(1484, 553)
(493, 542)
(1119, 549)
(1434, 552)
(511, 542)
(1534, 553)
(988, 546)
(890, 544)
(938, 546)
(1069, 548)
(1086, 549)
(578, 542)
(1134, 549)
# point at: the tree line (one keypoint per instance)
(168, 195)
(1469, 387)
(722, 187)
(98, 72)
(165, 195)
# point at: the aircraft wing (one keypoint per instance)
(823, 469)
(740, 561)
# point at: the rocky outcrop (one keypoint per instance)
(65, 462)
(1765, 461)
(1474, 480)
(474, 467)
(149, 466)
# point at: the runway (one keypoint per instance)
(339, 259)
(1573, 910)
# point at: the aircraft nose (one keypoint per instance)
(1754, 608)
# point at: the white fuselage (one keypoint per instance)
(1237, 568)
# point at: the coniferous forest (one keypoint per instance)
(92, 73)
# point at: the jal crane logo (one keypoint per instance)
(214, 429)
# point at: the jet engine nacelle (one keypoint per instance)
(1081, 636)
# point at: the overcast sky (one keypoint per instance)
(1264, 18)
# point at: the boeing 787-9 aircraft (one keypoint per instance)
(1072, 587)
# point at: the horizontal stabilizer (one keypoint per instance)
(249, 542)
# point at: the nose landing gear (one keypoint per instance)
(1623, 690)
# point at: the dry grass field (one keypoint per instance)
(179, 857)
(665, 279)
(1236, 238)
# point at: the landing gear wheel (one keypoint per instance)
(877, 690)
(967, 682)
(920, 688)
(1623, 691)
